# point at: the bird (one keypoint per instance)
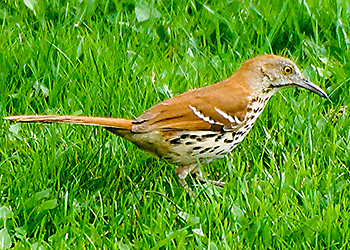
(203, 124)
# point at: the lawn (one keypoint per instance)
(80, 187)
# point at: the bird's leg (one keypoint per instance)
(182, 173)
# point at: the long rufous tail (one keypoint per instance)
(116, 123)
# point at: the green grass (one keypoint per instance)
(75, 187)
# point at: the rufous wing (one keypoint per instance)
(210, 108)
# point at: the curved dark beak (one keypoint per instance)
(306, 84)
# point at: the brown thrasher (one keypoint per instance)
(204, 124)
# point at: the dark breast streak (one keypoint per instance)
(206, 146)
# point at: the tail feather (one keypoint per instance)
(117, 123)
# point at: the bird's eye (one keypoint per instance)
(287, 70)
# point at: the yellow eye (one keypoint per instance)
(287, 70)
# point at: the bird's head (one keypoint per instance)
(272, 73)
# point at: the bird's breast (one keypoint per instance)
(188, 147)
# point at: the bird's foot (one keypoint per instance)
(182, 173)
(216, 183)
